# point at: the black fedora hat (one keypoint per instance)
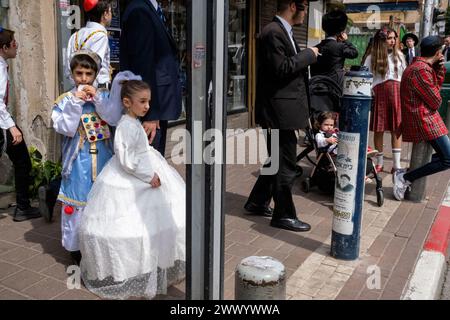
(334, 22)
(412, 36)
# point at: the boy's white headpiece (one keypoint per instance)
(116, 88)
(94, 56)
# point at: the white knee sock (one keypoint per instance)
(380, 158)
(396, 154)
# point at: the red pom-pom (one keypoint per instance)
(88, 5)
(68, 210)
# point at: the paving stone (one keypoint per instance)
(76, 295)
(6, 246)
(22, 280)
(46, 289)
(8, 294)
(8, 269)
(18, 255)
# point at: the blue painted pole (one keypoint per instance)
(351, 164)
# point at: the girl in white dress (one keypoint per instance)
(132, 234)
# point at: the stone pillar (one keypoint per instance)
(34, 73)
(260, 278)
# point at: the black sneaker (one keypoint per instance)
(26, 214)
(45, 207)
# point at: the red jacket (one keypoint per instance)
(421, 100)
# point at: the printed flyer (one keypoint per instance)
(347, 170)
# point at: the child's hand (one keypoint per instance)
(332, 140)
(81, 95)
(90, 91)
(155, 183)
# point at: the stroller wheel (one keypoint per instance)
(298, 171)
(380, 197)
(306, 185)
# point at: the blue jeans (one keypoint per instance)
(440, 161)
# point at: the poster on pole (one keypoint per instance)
(345, 191)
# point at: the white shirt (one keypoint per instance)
(99, 43)
(154, 3)
(6, 120)
(390, 74)
(288, 28)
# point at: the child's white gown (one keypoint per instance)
(132, 237)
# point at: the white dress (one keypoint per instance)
(132, 237)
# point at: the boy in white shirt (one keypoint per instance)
(11, 138)
(94, 37)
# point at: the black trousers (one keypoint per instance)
(279, 186)
(159, 143)
(18, 154)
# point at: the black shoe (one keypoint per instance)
(26, 214)
(45, 207)
(76, 257)
(258, 210)
(290, 224)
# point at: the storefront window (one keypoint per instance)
(237, 58)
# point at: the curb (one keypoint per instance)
(428, 276)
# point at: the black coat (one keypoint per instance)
(333, 55)
(148, 49)
(281, 94)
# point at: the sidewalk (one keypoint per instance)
(33, 263)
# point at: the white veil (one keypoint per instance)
(115, 102)
(112, 110)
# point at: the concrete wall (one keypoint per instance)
(34, 71)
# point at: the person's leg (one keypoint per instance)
(378, 142)
(19, 156)
(440, 162)
(259, 199)
(160, 139)
(396, 143)
(285, 215)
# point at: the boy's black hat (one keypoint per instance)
(412, 36)
(334, 22)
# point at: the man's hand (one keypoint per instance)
(155, 183)
(315, 50)
(150, 128)
(16, 135)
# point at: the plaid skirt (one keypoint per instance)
(386, 112)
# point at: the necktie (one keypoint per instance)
(161, 15)
(293, 40)
(411, 56)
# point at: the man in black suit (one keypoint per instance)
(446, 51)
(281, 104)
(148, 49)
(410, 41)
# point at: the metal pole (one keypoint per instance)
(351, 163)
(205, 174)
(195, 169)
(427, 18)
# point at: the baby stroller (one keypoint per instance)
(323, 174)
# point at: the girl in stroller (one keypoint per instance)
(326, 137)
